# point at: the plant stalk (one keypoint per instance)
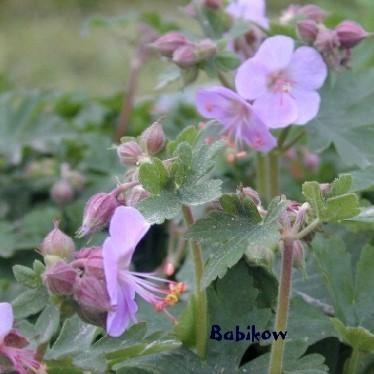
(201, 311)
(274, 189)
(353, 363)
(262, 175)
(281, 317)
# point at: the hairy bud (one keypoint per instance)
(350, 34)
(62, 192)
(312, 12)
(252, 194)
(98, 212)
(135, 195)
(298, 254)
(129, 153)
(60, 278)
(185, 56)
(169, 43)
(153, 139)
(89, 261)
(58, 244)
(307, 30)
(74, 177)
(206, 49)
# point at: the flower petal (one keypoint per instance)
(6, 320)
(275, 52)
(111, 269)
(307, 105)
(307, 68)
(277, 110)
(251, 79)
(119, 319)
(251, 10)
(258, 136)
(127, 228)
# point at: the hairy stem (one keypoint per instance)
(281, 317)
(353, 362)
(262, 175)
(201, 311)
(273, 174)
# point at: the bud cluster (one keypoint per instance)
(184, 52)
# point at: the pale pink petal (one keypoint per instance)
(307, 105)
(258, 136)
(251, 80)
(307, 69)
(275, 52)
(111, 269)
(6, 320)
(215, 102)
(277, 110)
(127, 228)
(251, 10)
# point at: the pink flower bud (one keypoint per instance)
(327, 41)
(62, 192)
(129, 153)
(153, 139)
(252, 194)
(307, 30)
(206, 49)
(186, 56)
(98, 212)
(74, 177)
(60, 278)
(325, 188)
(312, 12)
(15, 339)
(56, 243)
(135, 195)
(311, 160)
(350, 34)
(212, 4)
(89, 261)
(168, 43)
(298, 254)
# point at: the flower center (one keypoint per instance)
(280, 83)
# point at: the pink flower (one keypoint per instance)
(236, 115)
(282, 82)
(12, 346)
(250, 10)
(127, 228)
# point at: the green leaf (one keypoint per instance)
(153, 176)
(357, 337)
(75, 336)
(200, 193)
(346, 119)
(363, 180)
(232, 232)
(47, 324)
(312, 193)
(26, 276)
(8, 240)
(365, 216)
(30, 302)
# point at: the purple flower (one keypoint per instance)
(12, 346)
(127, 228)
(250, 10)
(236, 115)
(283, 82)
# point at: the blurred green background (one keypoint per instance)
(43, 43)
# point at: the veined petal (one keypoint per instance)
(6, 320)
(127, 228)
(275, 52)
(119, 319)
(111, 269)
(277, 110)
(307, 69)
(307, 105)
(251, 79)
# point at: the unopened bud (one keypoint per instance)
(60, 278)
(206, 49)
(311, 160)
(62, 192)
(74, 177)
(325, 188)
(56, 243)
(252, 194)
(153, 139)
(307, 30)
(350, 34)
(98, 211)
(186, 56)
(326, 41)
(312, 12)
(212, 4)
(298, 254)
(129, 153)
(135, 195)
(89, 261)
(169, 43)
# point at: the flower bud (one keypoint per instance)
(298, 254)
(74, 177)
(350, 34)
(326, 41)
(56, 243)
(168, 43)
(186, 56)
(15, 339)
(252, 194)
(312, 12)
(307, 30)
(136, 194)
(325, 188)
(153, 139)
(212, 4)
(62, 192)
(129, 153)
(89, 261)
(98, 212)
(60, 278)
(311, 160)
(206, 49)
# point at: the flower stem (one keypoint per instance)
(262, 175)
(353, 362)
(274, 174)
(281, 317)
(311, 227)
(201, 311)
